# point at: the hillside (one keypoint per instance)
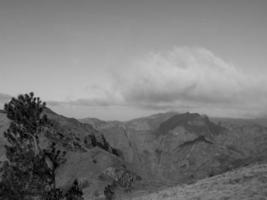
(165, 149)
(172, 148)
(3, 126)
(246, 183)
(88, 154)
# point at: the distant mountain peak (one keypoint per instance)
(192, 122)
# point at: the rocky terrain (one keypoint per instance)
(157, 151)
(173, 148)
(246, 183)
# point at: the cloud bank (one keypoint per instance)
(184, 78)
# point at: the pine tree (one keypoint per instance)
(26, 175)
(29, 173)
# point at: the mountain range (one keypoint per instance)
(164, 149)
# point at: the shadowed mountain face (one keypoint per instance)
(190, 123)
(163, 149)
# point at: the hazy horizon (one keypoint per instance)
(117, 60)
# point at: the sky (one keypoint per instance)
(121, 59)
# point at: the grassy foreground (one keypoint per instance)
(247, 183)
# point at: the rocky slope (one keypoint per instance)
(246, 183)
(173, 148)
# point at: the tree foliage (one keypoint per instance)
(29, 172)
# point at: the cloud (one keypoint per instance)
(98, 95)
(184, 78)
(192, 78)
(191, 74)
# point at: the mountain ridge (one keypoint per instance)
(190, 147)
